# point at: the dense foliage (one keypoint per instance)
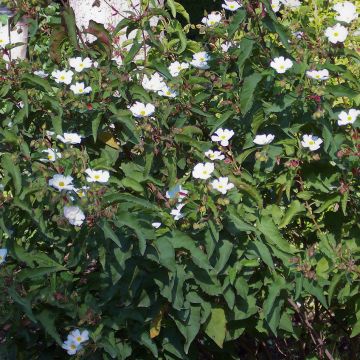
(117, 221)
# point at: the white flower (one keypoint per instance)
(263, 139)
(176, 67)
(95, 64)
(62, 76)
(231, 5)
(156, 225)
(82, 191)
(79, 88)
(212, 19)
(312, 142)
(346, 12)
(203, 170)
(78, 337)
(348, 118)
(214, 155)
(200, 60)
(226, 46)
(176, 213)
(167, 92)
(101, 176)
(61, 182)
(318, 74)
(275, 5)
(79, 64)
(200, 65)
(41, 74)
(3, 254)
(177, 192)
(337, 33)
(201, 56)
(298, 34)
(223, 136)
(70, 138)
(293, 4)
(154, 83)
(52, 155)
(4, 36)
(280, 64)
(222, 185)
(71, 347)
(74, 215)
(141, 110)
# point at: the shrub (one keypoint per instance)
(126, 234)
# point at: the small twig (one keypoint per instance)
(318, 342)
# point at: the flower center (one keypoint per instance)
(81, 90)
(1, 258)
(282, 67)
(349, 118)
(336, 34)
(205, 172)
(79, 338)
(61, 183)
(142, 112)
(81, 65)
(317, 76)
(311, 142)
(202, 59)
(97, 177)
(73, 347)
(223, 137)
(62, 77)
(50, 157)
(220, 186)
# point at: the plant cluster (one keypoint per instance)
(190, 199)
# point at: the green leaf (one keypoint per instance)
(109, 233)
(181, 10)
(225, 249)
(135, 48)
(172, 7)
(37, 82)
(314, 289)
(245, 49)
(132, 184)
(247, 92)
(273, 304)
(264, 253)
(322, 267)
(190, 328)
(47, 320)
(166, 253)
(216, 326)
(23, 302)
(279, 106)
(295, 208)
(334, 282)
(95, 125)
(236, 21)
(70, 24)
(273, 235)
(13, 170)
(356, 329)
(182, 241)
(341, 90)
